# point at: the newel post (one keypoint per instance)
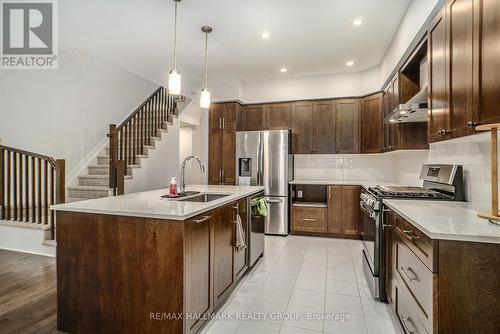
(60, 181)
(113, 155)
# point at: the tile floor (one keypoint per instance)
(317, 284)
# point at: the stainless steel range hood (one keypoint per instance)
(415, 110)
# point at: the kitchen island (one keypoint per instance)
(140, 263)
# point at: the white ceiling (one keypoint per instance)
(309, 37)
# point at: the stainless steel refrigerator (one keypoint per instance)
(264, 158)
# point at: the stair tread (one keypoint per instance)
(98, 188)
(100, 176)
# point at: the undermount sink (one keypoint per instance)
(203, 198)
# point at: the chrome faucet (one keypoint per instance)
(191, 157)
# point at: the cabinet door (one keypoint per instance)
(371, 124)
(350, 210)
(438, 104)
(240, 257)
(488, 62)
(252, 118)
(347, 126)
(385, 108)
(459, 18)
(279, 116)
(324, 125)
(389, 254)
(199, 262)
(230, 116)
(223, 253)
(395, 92)
(334, 209)
(215, 117)
(302, 127)
(215, 157)
(229, 158)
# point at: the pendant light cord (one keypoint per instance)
(206, 60)
(175, 37)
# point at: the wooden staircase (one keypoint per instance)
(130, 143)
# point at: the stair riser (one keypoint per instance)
(104, 170)
(94, 182)
(105, 161)
(83, 193)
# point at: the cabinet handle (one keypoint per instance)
(408, 325)
(410, 235)
(472, 124)
(223, 123)
(407, 272)
(220, 123)
(202, 220)
(308, 220)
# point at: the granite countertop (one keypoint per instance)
(149, 204)
(446, 220)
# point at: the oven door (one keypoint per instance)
(370, 236)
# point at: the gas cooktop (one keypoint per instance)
(408, 192)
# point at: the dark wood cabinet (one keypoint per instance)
(334, 209)
(240, 256)
(309, 219)
(253, 117)
(487, 55)
(343, 210)
(278, 116)
(347, 126)
(438, 103)
(372, 140)
(215, 164)
(223, 122)
(324, 127)
(460, 40)
(199, 271)
(223, 253)
(302, 128)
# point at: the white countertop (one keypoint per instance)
(362, 183)
(446, 220)
(149, 204)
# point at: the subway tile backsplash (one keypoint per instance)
(403, 167)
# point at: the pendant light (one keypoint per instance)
(205, 94)
(174, 76)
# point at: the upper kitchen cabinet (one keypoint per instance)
(302, 128)
(460, 42)
(324, 125)
(275, 116)
(372, 140)
(224, 116)
(278, 116)
(347, 126)
(438, 103)
(253, 117)
(487, 53)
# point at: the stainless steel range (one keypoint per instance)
(440, 182)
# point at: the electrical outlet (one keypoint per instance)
(299, 194)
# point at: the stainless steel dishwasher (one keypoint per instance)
(256, 226)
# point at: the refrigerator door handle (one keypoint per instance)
(274, 200)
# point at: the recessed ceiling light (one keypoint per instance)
(283, 70)
(350, 63)
(265, 35)
(357, 22)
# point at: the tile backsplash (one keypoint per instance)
(403, 167)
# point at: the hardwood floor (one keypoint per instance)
(28, 301)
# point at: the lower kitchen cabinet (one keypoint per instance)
(240, 256)
(308, 219)
(441, 286)
(337, 217)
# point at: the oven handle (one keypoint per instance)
(367, 209)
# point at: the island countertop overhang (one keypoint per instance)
(149, 204)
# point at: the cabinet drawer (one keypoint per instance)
(418, 242)
(408, 312)
(308, 219)
(419, 279)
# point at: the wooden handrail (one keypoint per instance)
(128, 140)
(29, 184)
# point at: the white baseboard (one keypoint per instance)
(26, 240)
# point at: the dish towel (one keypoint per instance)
(263, 208)
(240, 235)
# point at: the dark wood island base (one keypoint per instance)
(119, 274)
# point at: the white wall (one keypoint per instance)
(65, 113)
